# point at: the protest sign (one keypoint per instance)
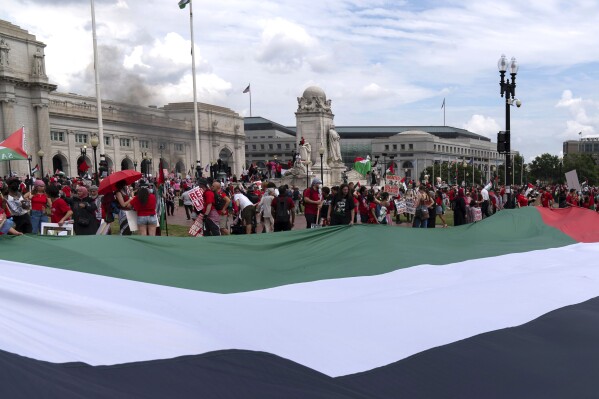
(400, 206)
(393, 190)
(410, 206)
(196, 196)
(197, 228)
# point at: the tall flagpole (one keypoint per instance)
(103, 165)
(443, 106)
(195, 100)
(250, 101)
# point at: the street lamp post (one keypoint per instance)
(508, 90)
(308, 174)
(40, 154)
(464, 165)
(321, 153)
(135, 165)
(95, 141)
(384, 154)
(29, 158)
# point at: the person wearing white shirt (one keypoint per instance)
(247, 210)
(485, 204)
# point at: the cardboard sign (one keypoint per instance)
(477, 214)
(572, 180)
(197, 228)
(54, 229)
(393, 190)
(196, 196)
(400, 206)
(410, 206)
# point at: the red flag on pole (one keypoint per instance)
(83, 167)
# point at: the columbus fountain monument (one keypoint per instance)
(316, 135)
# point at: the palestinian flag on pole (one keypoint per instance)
(504, 308)
(362, 165)
(13, 148)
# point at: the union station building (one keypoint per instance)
(59, 127)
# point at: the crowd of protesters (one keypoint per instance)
(259, 206)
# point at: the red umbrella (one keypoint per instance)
(108, 185)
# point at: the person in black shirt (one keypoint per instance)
(342, 211)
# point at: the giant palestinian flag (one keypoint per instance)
(12, 149)
(504, 308)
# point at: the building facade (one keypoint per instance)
(267, 141)
(586, 145)
(413, 148)
(60, 126)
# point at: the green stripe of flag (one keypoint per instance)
(245, 263)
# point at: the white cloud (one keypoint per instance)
(380, 62)
(485, 126)
(373, 91)
(284, 46)
(584, 115)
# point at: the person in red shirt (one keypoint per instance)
(572, 198)
(223, 213)
(363, 207)
(546, 198)
(312, 202)
(522, 200)
(61, 211)
(39, 202)
(144, 203)
(372, 216)
(211, 216)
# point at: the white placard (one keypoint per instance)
(54, 229)
(572, 180)
(132, 220)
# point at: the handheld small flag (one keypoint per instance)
(361, 165)
(35, 169)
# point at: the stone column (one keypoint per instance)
(116, 160)
(8, 126)
(41, 140)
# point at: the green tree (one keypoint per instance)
(585, 167)
(545, 168)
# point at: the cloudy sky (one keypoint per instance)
(381, 62)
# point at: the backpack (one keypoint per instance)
(253, 197)
(219, 202)
(282, 213)
(296, 195)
